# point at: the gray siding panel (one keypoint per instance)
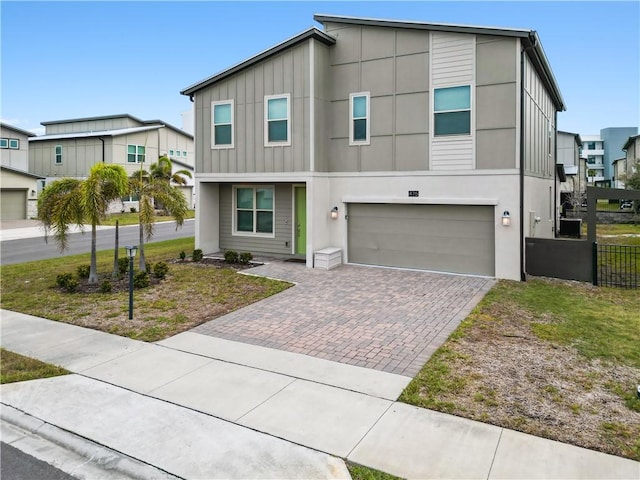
(448, 238)
(283, 222)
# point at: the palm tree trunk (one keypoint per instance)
(93, 271)
(142, 266)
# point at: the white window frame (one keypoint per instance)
(17, 143)
(4, 143)
(171, 153)
(213, 125)
(235, 232)
(367, 141)
(137, 153)
(434, 112)
(57, 157)
(267, 143)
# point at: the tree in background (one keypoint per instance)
(70, 201)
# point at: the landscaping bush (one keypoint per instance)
(183, 255)
(197, 255)
(231, 256)
(141, 280)
(63, 279)
(71, 285)
(83, 271)
(245, 258)
(105, 287)
(132, 209)
(123, 265)
(160, 269)
(149, 266)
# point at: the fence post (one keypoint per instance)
(594, 262)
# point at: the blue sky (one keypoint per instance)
(77, 59)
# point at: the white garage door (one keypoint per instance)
(444, 238)
(14, 204)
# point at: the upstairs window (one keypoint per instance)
(171, 153)
(452, 110)
(254, 211)
(359, 119)
(14, 143)
(222, 125)
(58, 157)
(135, 153)
(4, 143)
(184, 154)
(277, 120)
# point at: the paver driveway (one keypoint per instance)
(386, 319)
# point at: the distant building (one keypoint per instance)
(569, 145)
(602, 150)
(619, 172)
(632, 154)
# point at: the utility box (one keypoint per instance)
(327, 258)
(571, 227)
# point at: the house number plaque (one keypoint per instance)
(414, 193)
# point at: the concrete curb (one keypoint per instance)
(69, 452)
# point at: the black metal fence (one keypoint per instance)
(618, 266)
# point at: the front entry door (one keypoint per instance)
(300, 215)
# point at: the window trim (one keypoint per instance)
(17, 140)
(436, 112)
(57, 155)
(137, 154)
(367, 118)
(286, 143)
(234, 218)
(214, 145)
(4, 142)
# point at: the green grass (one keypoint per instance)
(129, 218)
(358, 472)
(17, 368)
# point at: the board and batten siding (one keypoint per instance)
(282, 242)
(539, 126)
(92, 125)
(285, 73)
(452, 64)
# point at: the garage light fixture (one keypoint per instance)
(506, 218)
(334, 213)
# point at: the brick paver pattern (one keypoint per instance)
(385, 319)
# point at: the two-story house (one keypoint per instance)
(632, 155)
(574, 189)
(18, 187)
(405, 144)
(69, 148)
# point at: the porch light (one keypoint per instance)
(506, 218)
(334, 213)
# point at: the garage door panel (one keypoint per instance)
(14, 204)
(450, 238)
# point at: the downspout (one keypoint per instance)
(532, 40)
(102, 140)
(555, 173)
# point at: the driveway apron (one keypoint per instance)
(385, 319)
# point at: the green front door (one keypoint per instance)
(301, 220)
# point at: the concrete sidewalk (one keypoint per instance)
(196, 406)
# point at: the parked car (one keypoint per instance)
(626, 205)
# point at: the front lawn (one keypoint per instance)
(191, 294)
(18, 368)
(552, 358)
(130, 218)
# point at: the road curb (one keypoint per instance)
(69, 452)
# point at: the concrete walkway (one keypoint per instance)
(196, 406)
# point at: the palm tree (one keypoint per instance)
(71, 201)
(150, 189)
(163, 170)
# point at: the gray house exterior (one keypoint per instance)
(403, 144)
(69, 148)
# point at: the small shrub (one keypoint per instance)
(197, 255)
(141, 280)
(149, 266)
(231, 256)
(72, 285)
(160, 269)
(63, 279)
(132, 209)
(123, 265)
(183, 255)
(83, 271)
(105, 287)
(245, 258)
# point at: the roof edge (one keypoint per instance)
(20, 172)
(312, 32)
(17, 129)
(629, 141)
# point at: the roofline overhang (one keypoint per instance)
(20, 172)
(311, 33)
(528, 37)
(16, 129)
(575, 135)
(98, 133)
(629, 142)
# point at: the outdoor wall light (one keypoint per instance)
(334, 213)
(131, 252)
(506, 218)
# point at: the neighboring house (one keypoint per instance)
(403, 144)
(575, 186)
(619, 172)
(70, 147)
(18, 187)
(614, 139)
(632, 154)
(601, 151)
